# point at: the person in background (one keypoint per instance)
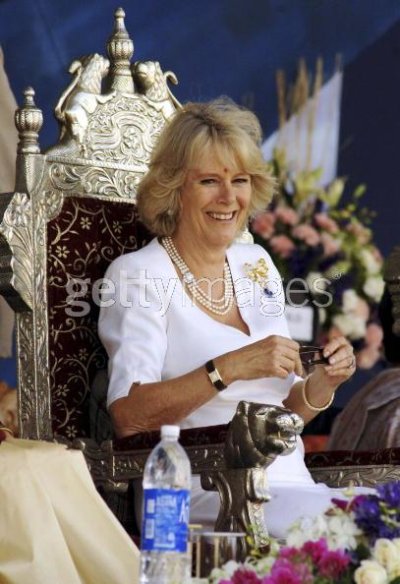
(371, 419)
(194, 322)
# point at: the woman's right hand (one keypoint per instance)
(274, 356)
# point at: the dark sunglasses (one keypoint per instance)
(310, 355)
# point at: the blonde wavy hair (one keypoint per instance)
(232, 132)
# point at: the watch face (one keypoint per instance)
(214, 376)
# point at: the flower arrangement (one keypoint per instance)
(329, 245)
(357, 540)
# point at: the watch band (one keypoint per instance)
(214, 376)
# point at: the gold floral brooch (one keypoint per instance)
(258, 273)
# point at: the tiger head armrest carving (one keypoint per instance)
(258, 433)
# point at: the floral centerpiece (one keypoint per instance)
(329, 245)
(355, 540)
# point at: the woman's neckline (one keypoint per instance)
(192, 302)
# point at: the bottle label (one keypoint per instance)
(165, 520)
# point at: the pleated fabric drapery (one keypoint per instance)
(54, 526)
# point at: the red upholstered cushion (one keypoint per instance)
(190, 437)
(82, 240)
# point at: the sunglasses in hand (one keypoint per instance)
(310, 355)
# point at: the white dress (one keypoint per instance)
(153, 331)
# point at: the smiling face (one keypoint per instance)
(215, 198)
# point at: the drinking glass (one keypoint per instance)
(212, 549)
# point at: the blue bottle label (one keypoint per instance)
(165, 520)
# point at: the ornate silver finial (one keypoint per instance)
(120, 51)
(28, 120)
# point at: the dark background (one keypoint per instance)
(234, 47)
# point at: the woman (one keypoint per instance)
(195, 322)
(370, 420)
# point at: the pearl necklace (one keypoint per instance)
(218, 306)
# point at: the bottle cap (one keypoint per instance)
(170, 431)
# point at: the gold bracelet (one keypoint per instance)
(310, 406)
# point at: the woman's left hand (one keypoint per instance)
(342, 362)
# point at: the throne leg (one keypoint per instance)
(243, 492)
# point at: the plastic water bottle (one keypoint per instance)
(164, 557)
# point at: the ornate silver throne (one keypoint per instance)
(72, 212)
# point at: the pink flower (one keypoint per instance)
(264, 224)
(287, 215)
(374, 335)
(331, 246)
(333, 563)
(325, 222)
(361, 309)
(244, 576)
(282, 245)
(284, 572)
(377, 255)
(307, 233)
(315, 549)
(290, 553)
(341, 503)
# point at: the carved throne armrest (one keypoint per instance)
(231, 459)
(342, 468)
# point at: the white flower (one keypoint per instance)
(370, 262)
(224, 573)
(295, 537)
(394, 569)
(386, 552)
(350, 300)
(338, 528)
(342, 531)
(315, 282)
(263, 566)
(306, 529)
(373, 287)
(322, 315)
(350, 325)
(370, 572)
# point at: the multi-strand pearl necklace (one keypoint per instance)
(218, 306)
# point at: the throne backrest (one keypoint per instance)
(72, 212)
